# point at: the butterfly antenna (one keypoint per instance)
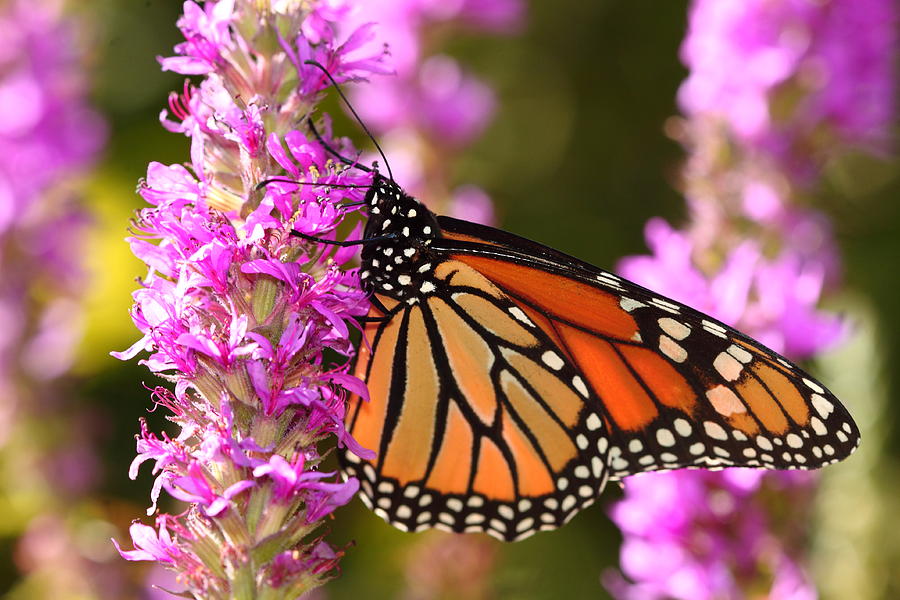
(352, 111)
(332, 151)
(271, 180)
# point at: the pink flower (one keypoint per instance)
(206, 35)
(244, 317)
(782, 86)
(150, 544)
(745, 55)
(696, 534)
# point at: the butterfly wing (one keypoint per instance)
(677, 388)
(505, 395)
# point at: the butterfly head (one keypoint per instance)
(392, 265)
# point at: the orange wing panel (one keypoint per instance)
(468, 238)
(545, 326)
(410, 447)
(759, 352)
(668, 385)
(559, 397)
(452, 468)
(761, 403)
(470, 359)
(745, 423)
(459, 274)
(493, 477)
(552, 438)
(495, 320)
(576, 302)
(627, 402)
(786, 392)
(534, 479)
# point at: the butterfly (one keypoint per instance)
(509, 382)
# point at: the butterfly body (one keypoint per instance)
(392, 265)
(509, 382)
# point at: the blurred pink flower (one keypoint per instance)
(244, 317)
(782, 73)
(471, 203)
(431, 107)
(775, 89)
(50, 137)
(699, 535)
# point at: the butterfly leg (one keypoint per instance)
(373, 319)
(344, 244)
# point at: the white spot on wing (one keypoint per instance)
(552, 360)
(822, 406)
(579, 385)
(714, 430)
(683, 427)
(675, 329)
(740, 354)
(714, 328)
(665, 305)
(670, 348)
(520, 315)
(813, 386)
(728, 366)
(725, 401)
(629, 304)
(665, 438)
(817, 425)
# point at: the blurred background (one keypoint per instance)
(576, 157)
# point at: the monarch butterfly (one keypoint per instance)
(508, 382)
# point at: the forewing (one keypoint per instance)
(676, 388)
